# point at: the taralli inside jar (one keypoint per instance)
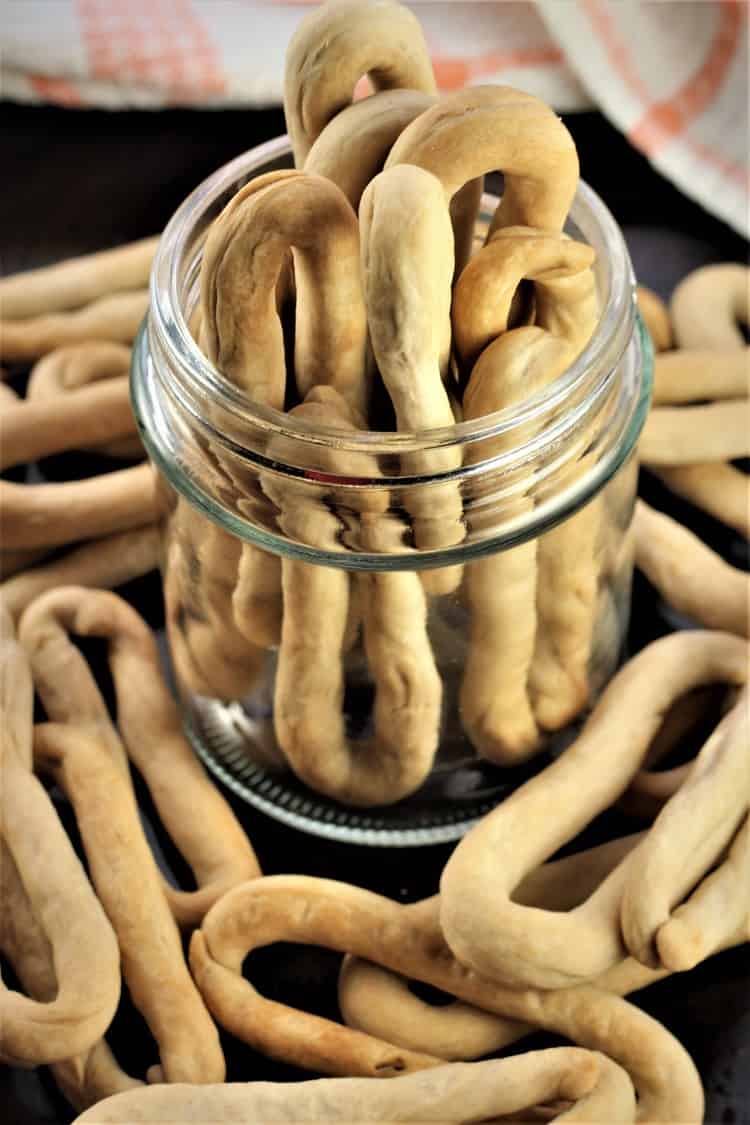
(399, 487)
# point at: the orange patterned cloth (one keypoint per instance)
(671, 76)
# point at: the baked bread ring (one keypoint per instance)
(535, 948)
(330, 51)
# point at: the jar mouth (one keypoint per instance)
(194, 377)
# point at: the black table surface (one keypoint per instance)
(75, 181)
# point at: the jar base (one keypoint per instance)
(456, 794)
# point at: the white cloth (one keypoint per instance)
(670, 75)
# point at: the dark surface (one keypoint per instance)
(78, 181)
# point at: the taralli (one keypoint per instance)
(308, 704)
(349, 919)
(89, 416)
(494, 128)
(47, 905)
(116, 317)
(691, 577)
(68, 368)
(597, 1087)
(544, 949)
(50, 515)
(353, 147)
(379, 1002)
(127, 882)
(407, 267)
(683, 435)
(330, 51)
(720, 490)
(215, 657)
(104, 563)
(77, 281)
(692, 376)
(501, 590)
(689, 834)
(197, 818)
(244, 254)
(694, 930)
(543, 595)
(707, 305)
(656, 315)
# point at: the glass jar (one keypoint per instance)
(305, 626)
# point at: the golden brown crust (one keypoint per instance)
(333, 47)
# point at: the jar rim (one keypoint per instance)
(588, 373)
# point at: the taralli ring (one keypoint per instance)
(707, 305)
(117, 317)
(67, 369)
(351, 920)
(407, 268)
(334, 47)
(48, 910)
(534, 948)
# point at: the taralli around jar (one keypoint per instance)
(351, 920)
(687, 376)
(197, 818)
(707, 305)
(689, 837)
(379, 1002)
(545, 949)
(691, 577)
(128, 884)
(331, 50)
(48, 910)
(684, 435)
(597, 1087)
(77, 281)
(101, 563)
(50, 515)
(35, 428)
(407, 268)
(656, 315)
(720, 490)
(115, 317)
(68, 368)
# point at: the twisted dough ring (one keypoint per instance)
(309, 690)
(532, 607)
(528, 947)
(241, 332)
(687, 838)
(117, 317)
(50, 515)
(352, 920)
(379, 1002)
(100, 564)
(46, 901)
(689, 575)
(353, 147)
(77, 281)
(490, 128)
(599, 1088)
(331, 50)
(213, 844)
(705, 308)
(707, 304)
(656, 315)
(407, 268)
(67, 369)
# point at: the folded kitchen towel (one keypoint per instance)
(672, 75)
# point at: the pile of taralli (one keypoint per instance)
(388, 285)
